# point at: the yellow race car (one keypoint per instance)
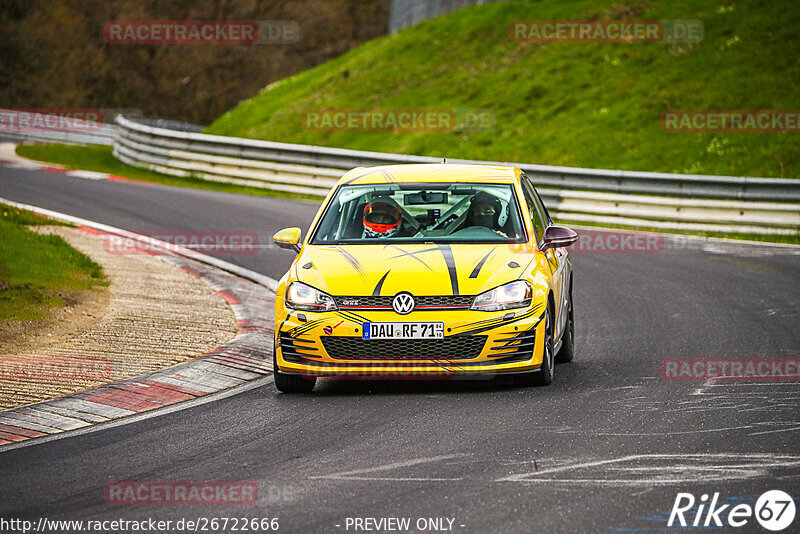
(426, 271)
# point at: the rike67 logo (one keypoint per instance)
(774, 510)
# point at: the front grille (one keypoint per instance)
(293, 349)
(448, 348)
(514, 347)
(426, 302)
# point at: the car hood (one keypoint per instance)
(422, 269)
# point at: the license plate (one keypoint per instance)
(432, 330)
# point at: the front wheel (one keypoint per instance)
(291, 383)
(544, 377)
(567, 351)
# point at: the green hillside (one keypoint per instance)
(579, 104)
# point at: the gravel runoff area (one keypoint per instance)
(158, 315)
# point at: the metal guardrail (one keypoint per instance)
(679, 185)
(647, 199)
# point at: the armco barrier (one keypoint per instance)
(660, 200)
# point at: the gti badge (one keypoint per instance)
(403, 303)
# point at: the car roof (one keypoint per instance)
(432, 172)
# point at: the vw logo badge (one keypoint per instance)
(403, 303)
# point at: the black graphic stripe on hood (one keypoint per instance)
(477, 269)
(377, 291)
(447, 252)
(352, 260)
(413, 255)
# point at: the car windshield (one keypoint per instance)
(424, 213)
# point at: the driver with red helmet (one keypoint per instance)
(382, 218)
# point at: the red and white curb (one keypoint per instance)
(238, 363)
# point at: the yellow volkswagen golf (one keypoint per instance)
(426, 271)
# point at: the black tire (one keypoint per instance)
(544, 377)
(567, 350)
(291, 383)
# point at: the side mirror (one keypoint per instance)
(288, 238)
(559, 236)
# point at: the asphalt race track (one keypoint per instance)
(605, 448)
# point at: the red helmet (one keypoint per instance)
(382, 219)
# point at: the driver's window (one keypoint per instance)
(536, 216)
(542, 208)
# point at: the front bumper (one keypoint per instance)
(476, 344)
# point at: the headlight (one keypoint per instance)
(304, 297)
(515, 294)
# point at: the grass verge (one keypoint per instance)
(27, 218)
(100, 159)
(39, 272)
